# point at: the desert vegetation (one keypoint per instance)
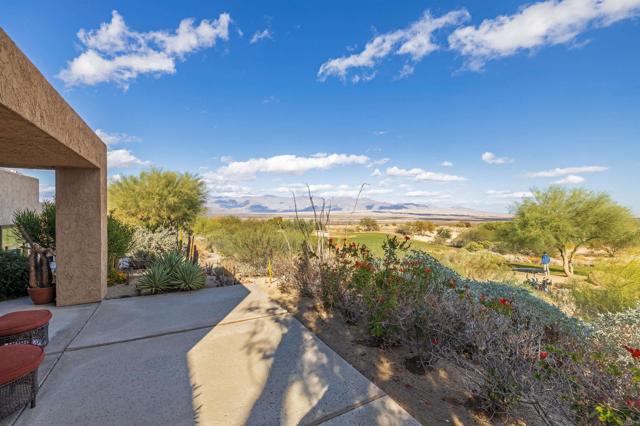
(449, 293)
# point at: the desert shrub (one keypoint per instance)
(478, 265)
(14, 274)
(155, 280)
(442, 235)
(512, 347)
(119, 243)
(474, 246)
(613, 287)
(148, 245)
(369, 224)
(254, 242)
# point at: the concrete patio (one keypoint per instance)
(224, 356)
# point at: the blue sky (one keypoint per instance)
(445, 103)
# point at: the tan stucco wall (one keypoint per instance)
(17, 192)
(38, 129)
(37, 120)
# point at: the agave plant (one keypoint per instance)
(187, 277)
(155, 280)
(171, 260)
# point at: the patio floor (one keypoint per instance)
(225, 356)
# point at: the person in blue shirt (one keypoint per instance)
(546, 260)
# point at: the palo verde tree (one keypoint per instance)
(567, 220)
(158, 199)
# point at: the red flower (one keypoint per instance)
(635, 352)
(427, 270)
(631, 403)
(435, 341)
(543, 355)
(503, 301)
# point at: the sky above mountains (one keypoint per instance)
(443, 103)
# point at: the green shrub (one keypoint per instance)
(254, 242)
(369, 224)
(40, 227)
(148, 245)
(119, 243)
(14, 274)
(187, 277)
(612, 287)
(155, 280)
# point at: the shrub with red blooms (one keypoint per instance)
(511, 348)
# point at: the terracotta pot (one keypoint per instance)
(41, 295)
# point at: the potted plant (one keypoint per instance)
(37, 230)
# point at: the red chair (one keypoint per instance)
(18, 376)
(28, 327)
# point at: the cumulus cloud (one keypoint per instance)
(509, 194)
(570, 180)
(116, 138)
(290, 164)
(123, 158)
(114, 53)
(265, 34)
(376, 173)
(423, 175)
(557, 172)
(491, 158)
(536, 25)
(413, 43)
(446, 164)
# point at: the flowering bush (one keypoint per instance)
(512, 347)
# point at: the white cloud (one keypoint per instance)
(570, 180)
(376, 173)
(544, 23)
(380, 132)
(446, 164)
(427, 194)
(265, 34)
(115, 53)
(270, 100)
(491, 158)
(123, 158)
(379, 162)
(290, 164)
(557, 172)
(423, 175)
(301, 187)
(509, 194)
(414, 42)
(116, 138)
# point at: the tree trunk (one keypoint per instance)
(567, 263)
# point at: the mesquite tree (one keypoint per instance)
(568, 220)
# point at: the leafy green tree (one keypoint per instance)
(569, 220)
(158, 199)
(119, 240)
(369, 224)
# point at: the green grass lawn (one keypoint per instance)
(374, 240)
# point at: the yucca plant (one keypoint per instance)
(187, 277)
(155, 280)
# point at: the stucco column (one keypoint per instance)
(81, 235)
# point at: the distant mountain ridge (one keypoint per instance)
(272, 205)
